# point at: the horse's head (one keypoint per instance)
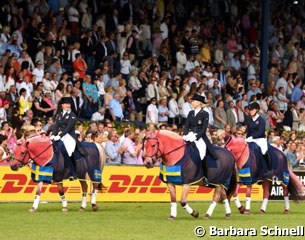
(239, 148)
(151, 149)
(21, 156)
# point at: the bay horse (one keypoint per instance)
(252, 169)
(40, 151)
(181, 165)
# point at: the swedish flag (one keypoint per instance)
(170, 173)
(44, 173)
(97, 175)
(244, 175)
(286, 178)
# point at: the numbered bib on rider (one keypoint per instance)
(44, 173)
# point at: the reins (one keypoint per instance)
(22, 160)
(158, 150)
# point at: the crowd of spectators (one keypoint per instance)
(141, 61)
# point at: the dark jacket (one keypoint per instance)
(256, 129)
(126, 103)
(288, 118)
(199, 124)
(65, 124)
(75, 109)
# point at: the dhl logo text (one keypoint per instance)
(115, 184)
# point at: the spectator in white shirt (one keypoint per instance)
(38, 72)
(173, 117)
(181, 60)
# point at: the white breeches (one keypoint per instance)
(202, 148)
(261, 142)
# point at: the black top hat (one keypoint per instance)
(199, 98)
(254, 105)
(65, 100)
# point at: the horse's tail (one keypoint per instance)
(102, 154)
(233, 183)
(295, 187)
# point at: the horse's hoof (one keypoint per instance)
(228, 215)
(207, 216)
(32, 210)
(262, 211)
(81, 209)
(95, 208)
(195, 214)
(64, 209)
(171, 218)
(286, 211)
(241, 209)
(247, 212)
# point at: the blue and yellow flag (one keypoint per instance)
(244, 175)
(97, 176)
(44, 173)
(170, 174)
(286, 178)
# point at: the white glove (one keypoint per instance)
(193, 138)
(52, 137)
(190, 137)
(185, 137)
(57, 138)
(249, 138)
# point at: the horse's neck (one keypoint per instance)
(172, 149)
(243, 156)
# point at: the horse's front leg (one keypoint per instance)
(61, 193)
(172, 191)
(236, 200)
(37, 197)
(266, 194)
(84, 186)
(185, 191)
(286, 199)
(248, 199)
(94, 196)
(216, 198)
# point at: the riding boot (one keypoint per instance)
(268, 161)
(205, 181)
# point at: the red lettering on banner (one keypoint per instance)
(15, 184)
(117, 187)
(157, 182)
(204, 190)
(140, 183)
(30, 187)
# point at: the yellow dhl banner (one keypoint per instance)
(123, 184)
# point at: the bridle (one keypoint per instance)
(161, 155)
(22, 161)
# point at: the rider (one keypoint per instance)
(64, 130)
(256, 127)
(196, 125)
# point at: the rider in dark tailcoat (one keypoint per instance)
(197, 122)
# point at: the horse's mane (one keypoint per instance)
(171, 134)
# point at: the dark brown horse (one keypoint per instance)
(181, 165)
(40, 150)
(253, 169)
